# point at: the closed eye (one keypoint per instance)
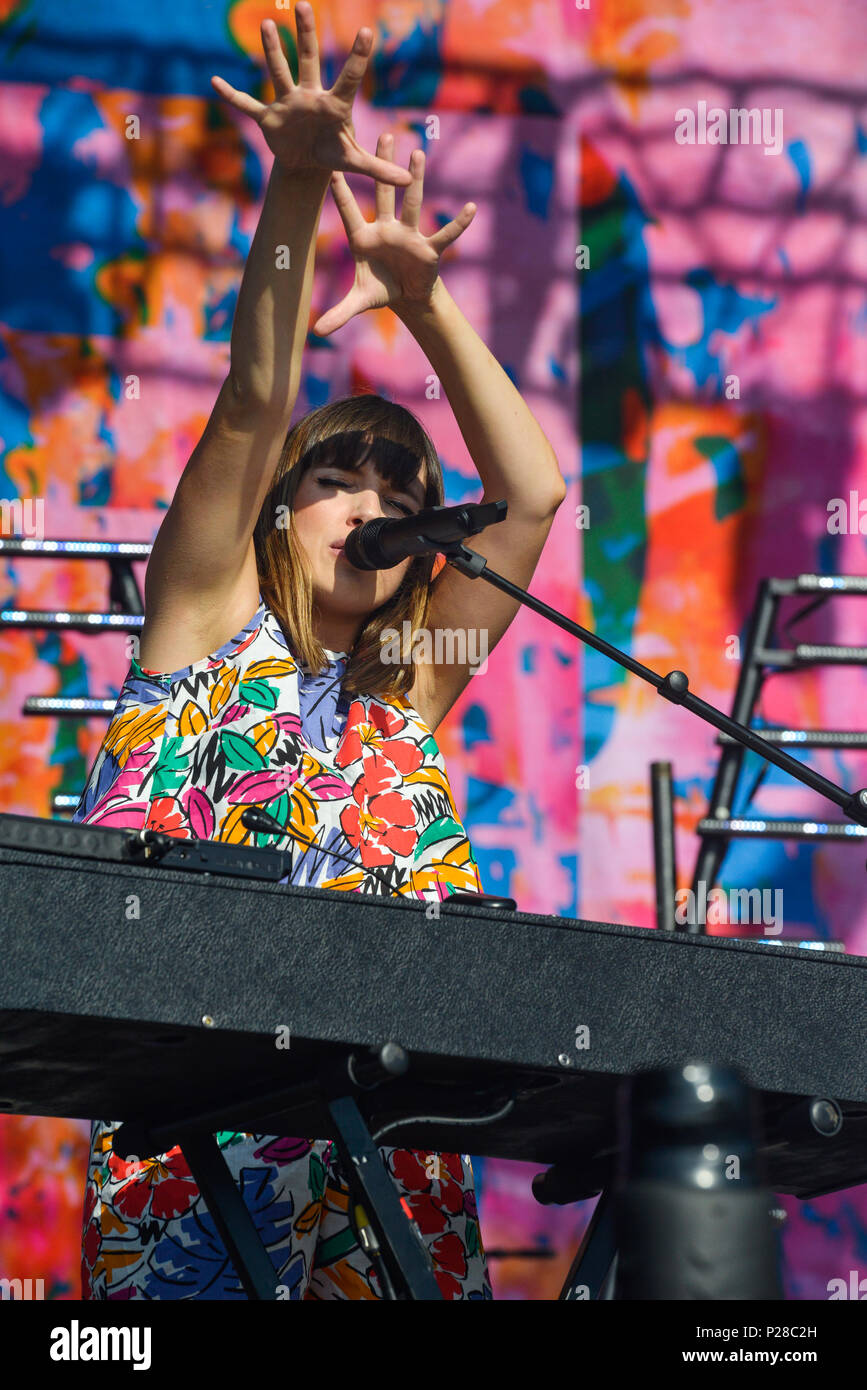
(341, 482)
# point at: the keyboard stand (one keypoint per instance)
(594, 1268)
(405, 1267)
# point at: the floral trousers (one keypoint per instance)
(147, 1233)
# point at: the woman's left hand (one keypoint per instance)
(394, 263)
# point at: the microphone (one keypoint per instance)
(383, 543)
(255, 818)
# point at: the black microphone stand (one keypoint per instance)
(673, 687)
(594, 1263)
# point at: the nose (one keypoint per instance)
(366, 506)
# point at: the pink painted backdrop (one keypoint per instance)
(122, 258)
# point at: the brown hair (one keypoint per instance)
(345, 433)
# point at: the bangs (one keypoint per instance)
(352, 449)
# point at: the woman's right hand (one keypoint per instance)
(306, 127)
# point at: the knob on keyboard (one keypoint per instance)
(488, 899)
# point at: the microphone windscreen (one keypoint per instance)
(359, 545)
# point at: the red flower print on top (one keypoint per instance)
(380, 823)
(166, 815)
(375, 731)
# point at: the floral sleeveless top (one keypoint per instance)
(187, 752)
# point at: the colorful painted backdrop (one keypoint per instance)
(686, 320)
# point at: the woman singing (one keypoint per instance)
(265, 677)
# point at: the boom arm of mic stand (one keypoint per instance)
(673, 687)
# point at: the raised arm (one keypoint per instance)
(396, 265)
(201, 584)
(201, 576)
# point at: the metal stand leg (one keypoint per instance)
(408, 1264)
(594, 1268)
(231, 1214)
(406, 1260)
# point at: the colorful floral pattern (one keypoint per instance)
(186, 752)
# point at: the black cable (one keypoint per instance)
(445, 1120)
(255, 813)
